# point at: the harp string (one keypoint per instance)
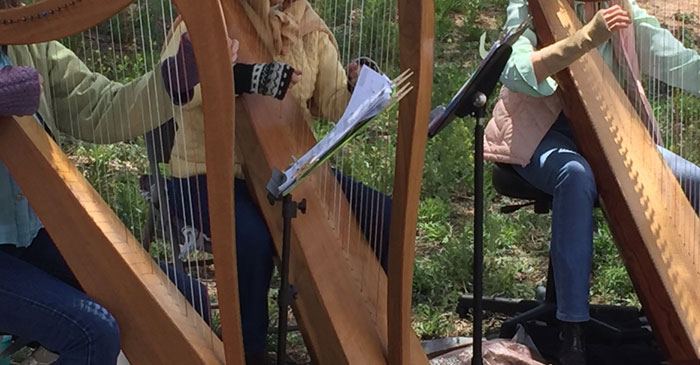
(368, 158)
(108, 50)
(675, 109)
(192, 260)
(187, 202)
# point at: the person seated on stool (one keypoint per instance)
(529, 131)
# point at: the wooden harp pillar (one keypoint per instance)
(157, 325)
(342, 322)
(653, 224)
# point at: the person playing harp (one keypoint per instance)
(40, 298)
(529, 131)
(307, 64)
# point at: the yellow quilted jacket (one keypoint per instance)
(295, 35)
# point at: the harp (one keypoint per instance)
(157, 324)
(349, 310)
(653, 223)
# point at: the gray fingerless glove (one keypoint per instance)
(271, 79)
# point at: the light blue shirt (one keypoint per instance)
(18, 222)
(660, 54)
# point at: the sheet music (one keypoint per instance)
(372, 94)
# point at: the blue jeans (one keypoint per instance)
(558, 169)
(194, 291)
(41, 300)
(188, 197)
(372, 209)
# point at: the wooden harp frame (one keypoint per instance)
(340, 325)
(107, 260)
(636, 187)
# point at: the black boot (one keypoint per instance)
(259, 358)
(573, 344)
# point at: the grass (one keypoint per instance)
(516, 244)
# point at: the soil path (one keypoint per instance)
(674, 13)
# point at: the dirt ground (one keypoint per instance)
(674, 13)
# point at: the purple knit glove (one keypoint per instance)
(19, 90)
(180, 73)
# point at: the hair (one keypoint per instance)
(5, 4)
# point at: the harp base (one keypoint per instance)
(287, 292)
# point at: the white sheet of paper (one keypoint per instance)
(372, 94)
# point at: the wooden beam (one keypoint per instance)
(49, 20)
(416, 22)
(209, 39)
(157, 324)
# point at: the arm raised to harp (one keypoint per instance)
(113, 268)
(342, 322)
(647, 211)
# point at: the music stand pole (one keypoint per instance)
(287, 292)
(471, 100)
(479, 103)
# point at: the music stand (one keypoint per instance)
(471, 100)
(378, 98)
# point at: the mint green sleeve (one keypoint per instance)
(662, 56)
(519, 74)
(90, 107)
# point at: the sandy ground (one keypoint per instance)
(674, 13)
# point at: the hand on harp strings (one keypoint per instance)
(373, 94)
(118, 108)
(648, 193)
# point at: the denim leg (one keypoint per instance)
(41, 307)
(253, 250)
(194, 291)
(372, 210)
(44, 255)
(188, 199)
(687, 173)
(254, 255)
(558, 169)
